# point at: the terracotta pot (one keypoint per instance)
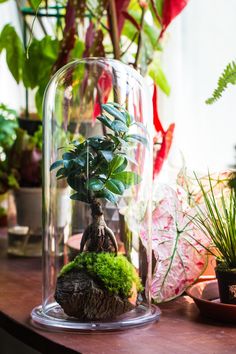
(227, 285)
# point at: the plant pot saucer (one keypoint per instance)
(53, 318)
(206, 296)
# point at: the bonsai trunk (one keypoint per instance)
(97, 237)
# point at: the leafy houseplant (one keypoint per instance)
(128, 30)
(20, 171)
(218, 220)
(8, 124)
(98, 169)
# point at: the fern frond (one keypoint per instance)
(227, 77)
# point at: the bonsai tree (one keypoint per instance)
(97, 170)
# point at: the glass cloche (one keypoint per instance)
(97, 198)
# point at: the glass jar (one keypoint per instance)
(97, 256)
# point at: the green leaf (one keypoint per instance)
(115, 186)
(158, 76)
(106, 194)
(81, 197)
(123, 166)
(119, 127)
(130, 159)
(227, 77)
(68, 156)
(95, 141)
(94, 184)
(76, 182)
(106, 121)
(127, 177)
(78, 50)
(108, 155)
(39, 99)
(114, 112)
(10, 41)
(37, 68)
(137, 137)
(129, 119)
(2, 1)
(116, 162)
(61, 172)
(35, 4)
(56, 164)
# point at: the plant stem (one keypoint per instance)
(114, 28)
(139, 39)
(39, 19)
(155, 12)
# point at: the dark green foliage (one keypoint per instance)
(8, 127)
(34, 71)
(22, 154)
(116, 273)
(97, 167)
(227, 77)
(8, 124)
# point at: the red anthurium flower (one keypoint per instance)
(165, 137)
(171, 8)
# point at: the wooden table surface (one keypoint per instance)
(180, 330)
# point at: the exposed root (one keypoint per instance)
(97, 237)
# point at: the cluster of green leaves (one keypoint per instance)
(35, 70)
(8, 124)
(20, 153)
(227, 77)
(116, 273)
(217, 219)
(97, 167)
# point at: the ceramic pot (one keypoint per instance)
(227, 285)
(29, 208)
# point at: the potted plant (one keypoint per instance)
(99, 284)
(8, 180)
(217, 219)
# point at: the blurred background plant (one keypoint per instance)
(55, 32)
(21, 153)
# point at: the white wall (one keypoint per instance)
(10, 93)
(199, 44)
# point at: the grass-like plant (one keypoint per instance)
(217, 218)
(98, 169)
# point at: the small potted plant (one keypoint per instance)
(8, 124)
(100, 284)
(217, 218)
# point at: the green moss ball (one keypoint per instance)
(116, 273)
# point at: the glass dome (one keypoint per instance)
(97, 198)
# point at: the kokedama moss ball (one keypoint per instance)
(97, 286)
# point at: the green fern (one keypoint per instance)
(227, 77)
